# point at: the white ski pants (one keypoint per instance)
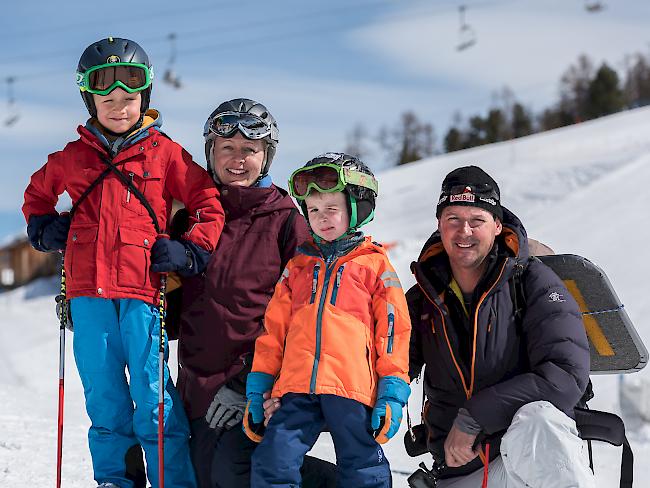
(541, 449)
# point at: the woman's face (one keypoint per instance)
(237, 160)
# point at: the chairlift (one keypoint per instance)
(466, 34)
(594, 6)
(11, 103)
(170, 77)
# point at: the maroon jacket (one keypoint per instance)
(222, 309)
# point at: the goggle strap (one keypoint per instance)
(353, 213)
(361, 179)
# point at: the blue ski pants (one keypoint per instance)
(294, 429)
(109, 337)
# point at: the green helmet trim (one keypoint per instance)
(83, 79)
(346, 176)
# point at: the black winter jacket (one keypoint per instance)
(488, 363)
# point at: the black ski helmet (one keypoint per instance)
(243, 106)
(113, 48)
(361, 200)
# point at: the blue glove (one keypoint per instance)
(182, 256)
(256, 385)
(48, 233)
(392, 395)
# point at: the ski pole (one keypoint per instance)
(62, 308)
(161, 386)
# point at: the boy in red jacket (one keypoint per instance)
(122, 175)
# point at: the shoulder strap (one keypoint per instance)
(128, 183)
(518, 291)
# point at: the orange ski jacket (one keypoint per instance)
(335, 328)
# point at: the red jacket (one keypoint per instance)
(108, 248)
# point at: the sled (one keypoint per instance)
(614, 345)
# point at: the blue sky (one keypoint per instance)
(320, 67)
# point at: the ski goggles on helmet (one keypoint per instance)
(250, 125)
(327, 178)
(104, 78)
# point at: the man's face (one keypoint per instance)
(467, 234)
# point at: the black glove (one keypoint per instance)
(182, 256)
(48, 233)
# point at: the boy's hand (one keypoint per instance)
(271, 405)
(185, 257)
(392, 395)
(48, 233)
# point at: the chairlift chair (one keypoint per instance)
(594, 6)
(170, 77)
(13, 116)
(466, 34)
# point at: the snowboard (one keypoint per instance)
(615, 346)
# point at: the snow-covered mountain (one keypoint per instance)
(579, 189)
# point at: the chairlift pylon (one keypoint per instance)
(13, 116)
(594, 6)
(170, 77)
(466, 34)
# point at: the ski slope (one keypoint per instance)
(579, 189)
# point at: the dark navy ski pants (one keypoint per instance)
(294, 429)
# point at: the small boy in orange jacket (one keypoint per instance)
(337, 338)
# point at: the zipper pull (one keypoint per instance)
(128, 190)
(314, 281)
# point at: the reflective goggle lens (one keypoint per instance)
(252, 126)
(101, 80)
(132, 76)
(323, 178)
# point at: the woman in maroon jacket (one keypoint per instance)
(223, 308)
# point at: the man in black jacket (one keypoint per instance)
(496, 381)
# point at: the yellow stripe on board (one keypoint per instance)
(594, 331)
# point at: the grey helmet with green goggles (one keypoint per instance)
(249, 118)
(114, 63)
(331, 172)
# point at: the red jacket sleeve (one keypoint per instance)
(45, 186)
(189, 183)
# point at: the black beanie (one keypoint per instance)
(472, 187)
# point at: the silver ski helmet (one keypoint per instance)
(110, 63)
(332, 172)
(248, 117)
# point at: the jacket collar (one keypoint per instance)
(93, 135)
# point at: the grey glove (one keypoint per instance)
(226, 410)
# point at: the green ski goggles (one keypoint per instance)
(327, 178)
(104, 78)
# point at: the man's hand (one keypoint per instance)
(271, 405)
(458, 447)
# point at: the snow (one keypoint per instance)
(579, 189)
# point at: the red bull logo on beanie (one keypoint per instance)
(467, 197)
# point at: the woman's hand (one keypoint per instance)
(271, 405)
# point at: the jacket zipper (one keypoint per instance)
(198, 220)
(128, 189)
(314, 283)
(391, 325)
(319, 326)
(337, 283)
